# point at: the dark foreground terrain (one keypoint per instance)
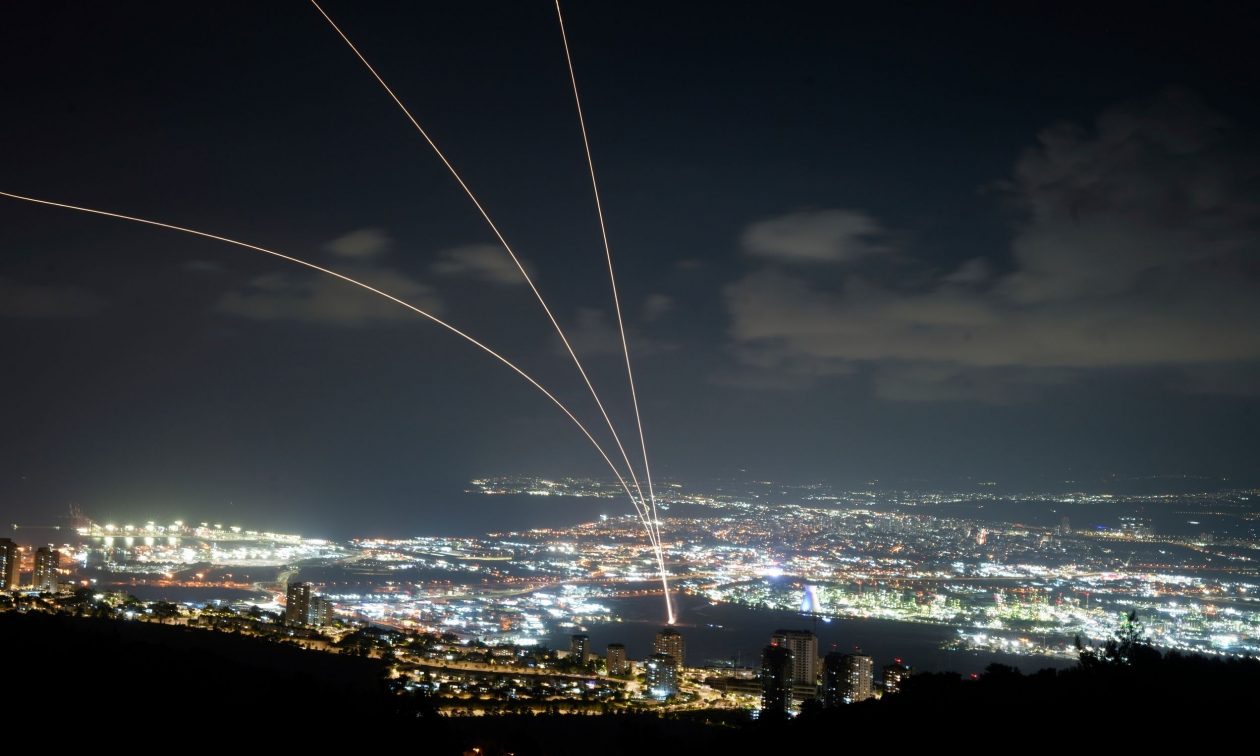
(71, 676)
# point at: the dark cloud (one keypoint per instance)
(816, 236)
(656, 306)
(363, 244)
(484, 262)
(1161, 187)
(27, 300)
(975, 271)
(594, 332)
(1137, 248)
(323, 300)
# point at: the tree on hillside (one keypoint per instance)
(1127, 646)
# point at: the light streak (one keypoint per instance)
(620, 479)
(651, 525)
(612, 279)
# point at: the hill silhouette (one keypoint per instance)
(155, 678)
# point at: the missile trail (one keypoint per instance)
(620, 479)
(612, 279)
(653, 534)
(498, 235)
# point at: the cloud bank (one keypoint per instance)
(816, 236)
(309, 297)
(484, 262)
(1137, 247)
(363, 244)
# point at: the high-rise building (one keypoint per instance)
(776, 681)
(804, 647)
(833, 684)
(321, 611)
(10, 563)
(895, 676)
(46, 562)
(579, 647)
(847, 678)
(297, 604)
(669, 641)
(618, 663)
(302, 607)
(859, 678)
(662, 676)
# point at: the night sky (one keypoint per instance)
(915, 243)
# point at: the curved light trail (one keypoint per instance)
(651, 526)
(640, 511)
(612, 279)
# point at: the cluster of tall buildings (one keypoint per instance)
(669, 642)
(44, 569)
(792, 673)
(660, 668)
(847, 678)
(895, 676)
(617, 662)
(302, 608)
(661, 676)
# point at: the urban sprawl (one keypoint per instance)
(473, 622)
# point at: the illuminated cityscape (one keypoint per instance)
(477, 621)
